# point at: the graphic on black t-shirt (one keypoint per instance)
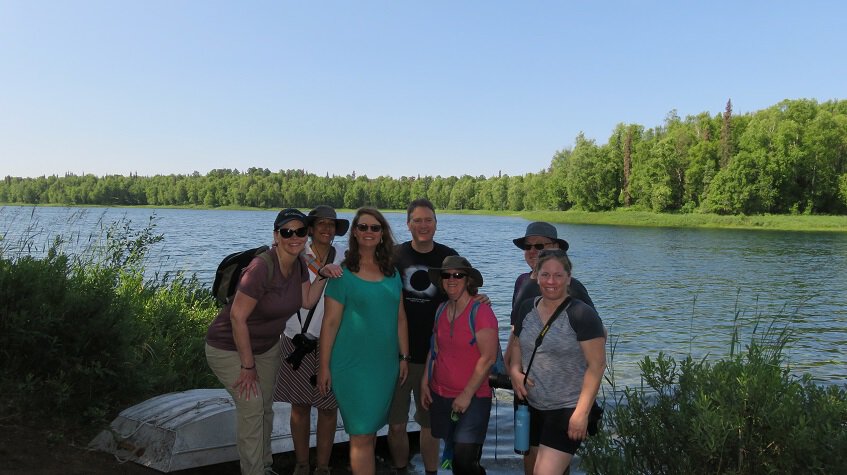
(416, 283)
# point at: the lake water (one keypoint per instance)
(656, 289)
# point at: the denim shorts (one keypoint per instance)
(468, 428)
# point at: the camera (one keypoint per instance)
(499, 381)
(303, 344)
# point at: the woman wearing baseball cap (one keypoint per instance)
(242, 343)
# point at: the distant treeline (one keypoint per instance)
(789, 158)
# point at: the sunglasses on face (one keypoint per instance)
(375, 228)
(287, 233)
(537, 247)
(454, 275)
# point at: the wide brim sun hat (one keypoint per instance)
(542, 229)
(327, 212)
(458, 263)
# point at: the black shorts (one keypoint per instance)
(550, 428)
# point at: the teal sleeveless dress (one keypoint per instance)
(364, 365)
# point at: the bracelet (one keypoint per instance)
(321, 276)
(250, 368)
(405, 357)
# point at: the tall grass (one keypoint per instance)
(83, 333)
(744, 414)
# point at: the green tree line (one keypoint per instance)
(788, 158)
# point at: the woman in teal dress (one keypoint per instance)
(364, 339)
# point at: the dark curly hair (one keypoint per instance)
(384, 251)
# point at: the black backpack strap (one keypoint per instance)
(330, 257)
(268, 257)
(562, 308)
(304, 326)
(269, 263)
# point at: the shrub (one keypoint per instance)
(174, 314)
(744, 414)
(66, 339)
(82, 335)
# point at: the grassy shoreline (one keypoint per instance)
(621, 217)
(816, 223)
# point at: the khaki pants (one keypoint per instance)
(254, 418)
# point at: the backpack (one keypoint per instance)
(499, 366)
(229, 272)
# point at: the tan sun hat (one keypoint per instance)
(454, 263)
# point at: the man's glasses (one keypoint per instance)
(375, 228)
(287, 233)
(455, 275)
(537, 247)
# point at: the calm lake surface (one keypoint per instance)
(656, 289)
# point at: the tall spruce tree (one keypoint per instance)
(726, 135)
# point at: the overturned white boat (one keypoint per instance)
(193, 428)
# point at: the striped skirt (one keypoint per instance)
(296, 387)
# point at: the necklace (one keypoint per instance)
(318, 255)
(455, 311)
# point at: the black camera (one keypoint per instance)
(499, 381)
(303, 344)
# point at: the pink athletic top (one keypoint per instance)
(457, 358)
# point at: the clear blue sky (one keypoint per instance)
(398, 88)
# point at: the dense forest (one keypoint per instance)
(788, 158)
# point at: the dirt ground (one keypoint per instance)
(36, 450)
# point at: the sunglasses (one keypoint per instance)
(455, 275)
(373, 227)
(537, 247)
(288, 233)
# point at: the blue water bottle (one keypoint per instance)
(522, 428)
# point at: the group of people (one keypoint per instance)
(366, 327)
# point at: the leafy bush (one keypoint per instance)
(744, 414)
(82, 335)
(174, 314)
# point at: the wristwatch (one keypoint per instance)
(405, 357)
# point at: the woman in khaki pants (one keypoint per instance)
(242, 344)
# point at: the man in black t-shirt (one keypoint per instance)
(420, 300)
